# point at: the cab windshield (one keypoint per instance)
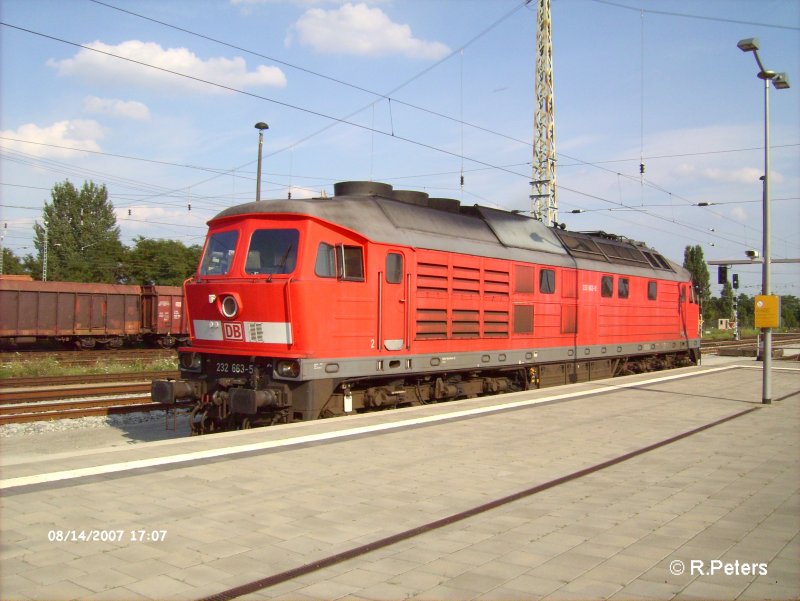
(272, 251)
(218, 257)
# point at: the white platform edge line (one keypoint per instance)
(298, 440)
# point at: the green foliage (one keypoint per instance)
(725, 304)
(746, 305)
(83, 245)
(82, 235)
(790, 311)
(12, 264)
(165, 262)
(50, 366)
(695, 263)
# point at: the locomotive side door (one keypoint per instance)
(393, 301)
(683, 309)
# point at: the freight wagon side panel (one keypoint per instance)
(83, 313)
(46, 324)
(115, 313)
(27, 313)
(118, 313)
(169, 318)
(133, 311)
(8, 316)
(65, 319)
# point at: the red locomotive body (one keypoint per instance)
(377, 298)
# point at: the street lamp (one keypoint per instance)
(260, 126)
(781, 82)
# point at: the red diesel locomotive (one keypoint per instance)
(378, 298)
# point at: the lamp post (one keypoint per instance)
(781, 82)
(260, 126)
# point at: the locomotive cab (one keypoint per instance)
(239, 293)
(249, 325)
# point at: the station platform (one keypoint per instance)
(673, 485)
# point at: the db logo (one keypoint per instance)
(232, 330)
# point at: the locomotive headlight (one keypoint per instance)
(288, 369)
(229, 306)
(190, 361)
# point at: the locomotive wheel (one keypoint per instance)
(246, 424)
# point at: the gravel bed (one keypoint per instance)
(39, 440)
(81, 423)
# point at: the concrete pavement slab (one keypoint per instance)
(726, 493)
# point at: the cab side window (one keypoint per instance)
(394, 268)
(547, 281)
(623, 289)
(341, 261)
(325, 265)
(607, 286)
(350, 263)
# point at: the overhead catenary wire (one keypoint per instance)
(380, 95)
(259, 97)
(690, 16)
(488, 166)
(392, 133)
(618, 205)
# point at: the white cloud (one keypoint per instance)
(298, 193)
(230, 72)
(247, 3)
(77, 134)
(130, 109)
(726, 174)
(739, 214)
(361, 30)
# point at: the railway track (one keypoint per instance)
(86, 378)
(63, 397)
(53, 393)
(713, 347)
(69, 410)
(50, 411)
(47, 403)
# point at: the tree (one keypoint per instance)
(790, 311)
(746, 307)
(695, 262)
(165, 262)
(12, 264)
(726, 302)
(81, 235)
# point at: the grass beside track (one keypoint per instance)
(50, 366)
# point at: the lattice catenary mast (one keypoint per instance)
(544, 206)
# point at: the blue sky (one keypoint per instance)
(658, 79)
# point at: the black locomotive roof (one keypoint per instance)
(381, 214)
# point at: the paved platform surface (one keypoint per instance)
(712, 515)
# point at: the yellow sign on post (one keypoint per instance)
(767, 311)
